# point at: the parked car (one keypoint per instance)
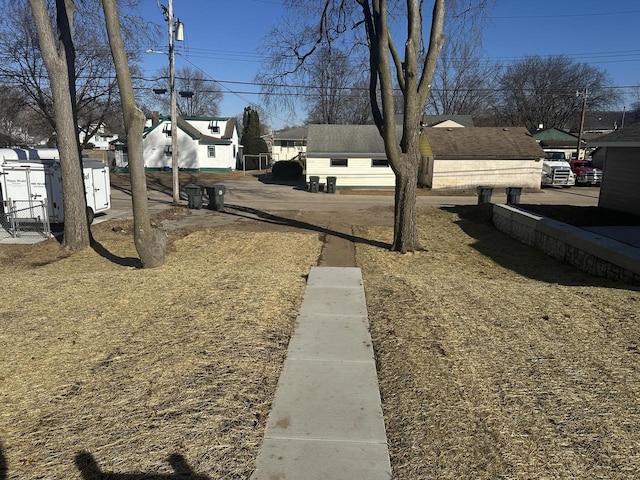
(585, 172)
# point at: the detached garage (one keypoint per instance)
(454, 158)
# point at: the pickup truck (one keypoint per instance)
(585, 172)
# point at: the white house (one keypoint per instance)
(204, 144)
(455, 158)
(289, 144)
(100, 139)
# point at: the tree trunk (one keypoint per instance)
(59, 60)
(405, 228)
(150, 242)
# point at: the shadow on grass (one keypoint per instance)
(106, 254)
(90, 470)
(476, 221)
(4, 468)
(259, 215)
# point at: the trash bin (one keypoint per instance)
(331, 184)
(314, 184)
(216, 196)
(484, 195)
(194, 196)
(513, 195)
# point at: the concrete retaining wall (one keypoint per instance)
(588, 251)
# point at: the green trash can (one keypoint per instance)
(314, 184)
(331, 184)
(194, 196)
(216, 193)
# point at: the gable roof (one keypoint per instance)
(196, 134)
(554, 134)
(446, 143)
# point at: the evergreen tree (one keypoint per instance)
(251, 141)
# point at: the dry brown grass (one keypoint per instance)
(136, 369)
(496, 361)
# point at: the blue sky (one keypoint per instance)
(223, 39)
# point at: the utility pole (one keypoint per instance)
(175, 33)
(584, 108)
(174, 110)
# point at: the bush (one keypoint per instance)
(287, 170)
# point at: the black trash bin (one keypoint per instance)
(484, 194)
(216, 193)
(194, 196)
(314, 184)
(513, 195)
(331, 184)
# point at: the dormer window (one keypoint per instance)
(215, 128)
(167, 129)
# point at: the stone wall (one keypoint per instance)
(586, 250)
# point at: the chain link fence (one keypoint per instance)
(25, 218)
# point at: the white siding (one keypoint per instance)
(358, 173)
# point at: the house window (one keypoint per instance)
(167, 150)
(211, 151)
(379, 162)
(215, 129)
(339, 162)
(167, 129)
(287, 143)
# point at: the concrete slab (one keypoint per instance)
(320, 400)
(316, 460)
(327, 337)
(338, 300)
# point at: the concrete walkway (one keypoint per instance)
(326, 421)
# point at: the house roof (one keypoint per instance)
(554, 134)
(196, 134)
(623, 137)
(295, 133)
(446, 143)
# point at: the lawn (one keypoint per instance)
(494, 360)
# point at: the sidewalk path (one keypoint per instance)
(326, 421)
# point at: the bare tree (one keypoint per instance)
(94, 74)
(410, 70)
(150, 242)
(463, 83)
(58, 55)
(542, 91)
(197, 95)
